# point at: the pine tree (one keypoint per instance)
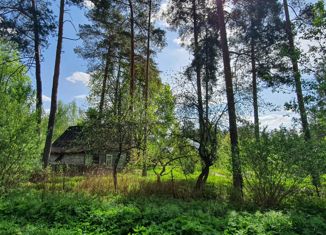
(28, 23)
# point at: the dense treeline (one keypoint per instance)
(239, 48)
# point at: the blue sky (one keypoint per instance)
(73, 76)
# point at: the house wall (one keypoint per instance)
(83, 159)
(69, 159)
(52, 159)
(110, 158)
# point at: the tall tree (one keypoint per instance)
(55, 83)
(53, 109)
(28, 23)
(146, 88)
(294, 56)
(37, 62)
(103, 43)
(236, 164)
(259, 28)
(190, 19)
(132, 53)
(155, 40)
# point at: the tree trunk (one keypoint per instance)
(200, 107)
(115, 168)
(206, 80)
(254, 89)
(202, 178)
(105, 78)
(298, 87)
(158, 178)
(53, 109)
(198, 75)
(121, 140)
(117, 88)
(146, 90)
(132, 54)
(236, 164)
(115, 178)
(37, 66)
(296, 73)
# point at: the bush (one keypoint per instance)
(274, 166)
(268, 223)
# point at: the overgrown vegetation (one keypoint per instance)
(32, 212)
(150, 157)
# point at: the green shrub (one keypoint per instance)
(268, 223)
(274, 166)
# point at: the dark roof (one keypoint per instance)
(68, 141)
(71, 142)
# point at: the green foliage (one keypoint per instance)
(37, 212)
(319, 14)
(274, 165)
(67, 115)
(18, 136)
(271, 222)
(17, 23)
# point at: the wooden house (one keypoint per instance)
(69, 150)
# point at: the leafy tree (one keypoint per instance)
(18, 139)
(67, 115)
(163, 132)
(189, 17)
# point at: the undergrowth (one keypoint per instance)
(32, 211)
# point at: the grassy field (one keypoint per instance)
(88, 205)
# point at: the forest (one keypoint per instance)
(152, 152)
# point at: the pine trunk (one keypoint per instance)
(236, 165)
(37, 56)
(254, 89)
(53, 109)
(298, 87)
(146, 90)
(200, 108)
(132, 54)
(105, 79)
(296, 73)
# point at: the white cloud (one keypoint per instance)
(181, 58)
(177, 41)
(278, 119)
(182, 42)
(88, 4)
(159, 18)
(46, 98)
(79, 77)
(80, 97)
